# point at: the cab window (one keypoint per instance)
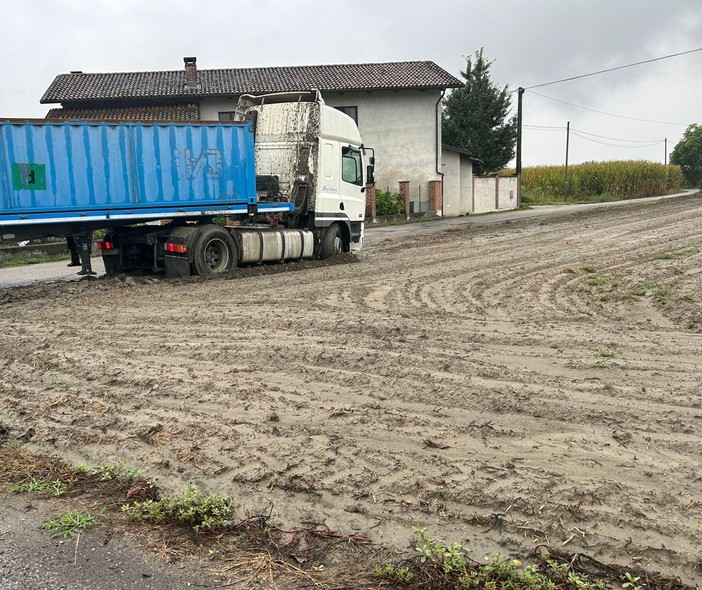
(351, 166)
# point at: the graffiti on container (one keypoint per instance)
(208, 162)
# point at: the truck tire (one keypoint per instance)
(215, 251)
(332, 242)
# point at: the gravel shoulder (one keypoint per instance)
(103, 559)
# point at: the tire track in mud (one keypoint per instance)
(325, 392)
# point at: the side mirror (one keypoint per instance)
(370, 174)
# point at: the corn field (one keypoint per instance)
(620, 179)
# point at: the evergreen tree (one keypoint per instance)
(688, 154)
(475, 117)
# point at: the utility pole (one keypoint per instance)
(520, 93)
(566, 166)
(665, 155)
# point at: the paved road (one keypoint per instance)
(378, 234)
(47, 272)
(52, 272)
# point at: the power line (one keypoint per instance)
(648, 145)
(560, 127)
(542, 127)
(521, 90)
(588, 136)
(606, 113)
(617, 138)
(638, 63)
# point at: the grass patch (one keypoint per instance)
(70, 523)
(118, 472)
(25, 472)
(441, 566)
(19, 468)
(589, 267)
(56, 488)
(606, 352)
(23, 260)
(538, 197)
(677, 254)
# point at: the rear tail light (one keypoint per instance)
(106, 245)
(176, 248)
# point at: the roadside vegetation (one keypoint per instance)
(36, 258)
(596, 182)
(35, 252)
(688, 154)
(32, 257)
(389, 203)
(258, 552)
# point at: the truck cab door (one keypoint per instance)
(353, 198)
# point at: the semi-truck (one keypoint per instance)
(285, 180)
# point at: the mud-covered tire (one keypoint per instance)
(215, 251)
(332, 242)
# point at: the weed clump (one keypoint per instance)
(201, 512)
(72, 522)
(438, 566)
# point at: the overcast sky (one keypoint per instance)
(531, 42)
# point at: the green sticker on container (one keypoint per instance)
(28, 177)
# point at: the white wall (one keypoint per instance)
(401, 126)
(494, 193)
(451, 166)
(211, 107)
(458, 183)
(466, 186)
(507, 193)
(483, 194)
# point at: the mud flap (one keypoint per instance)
(177, 262)
(176, 266)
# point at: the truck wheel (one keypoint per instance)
(215, 251)
(332, 242)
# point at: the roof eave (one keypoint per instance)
(201, 94)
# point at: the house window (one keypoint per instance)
(351, 170)
(227, 116)
(350, 111)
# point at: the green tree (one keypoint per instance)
(688, 154)
(476, 117)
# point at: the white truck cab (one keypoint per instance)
(311, 154)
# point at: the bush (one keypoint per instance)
(387, 203)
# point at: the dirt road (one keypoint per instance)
(532, 382)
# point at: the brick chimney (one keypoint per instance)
(190, 72)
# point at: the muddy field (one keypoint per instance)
(534, 382)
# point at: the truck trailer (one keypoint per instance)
(285, 180)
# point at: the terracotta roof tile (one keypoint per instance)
(223, 82)
(171, 112)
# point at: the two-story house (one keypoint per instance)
(397, 106)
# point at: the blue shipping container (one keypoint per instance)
(69, 171)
